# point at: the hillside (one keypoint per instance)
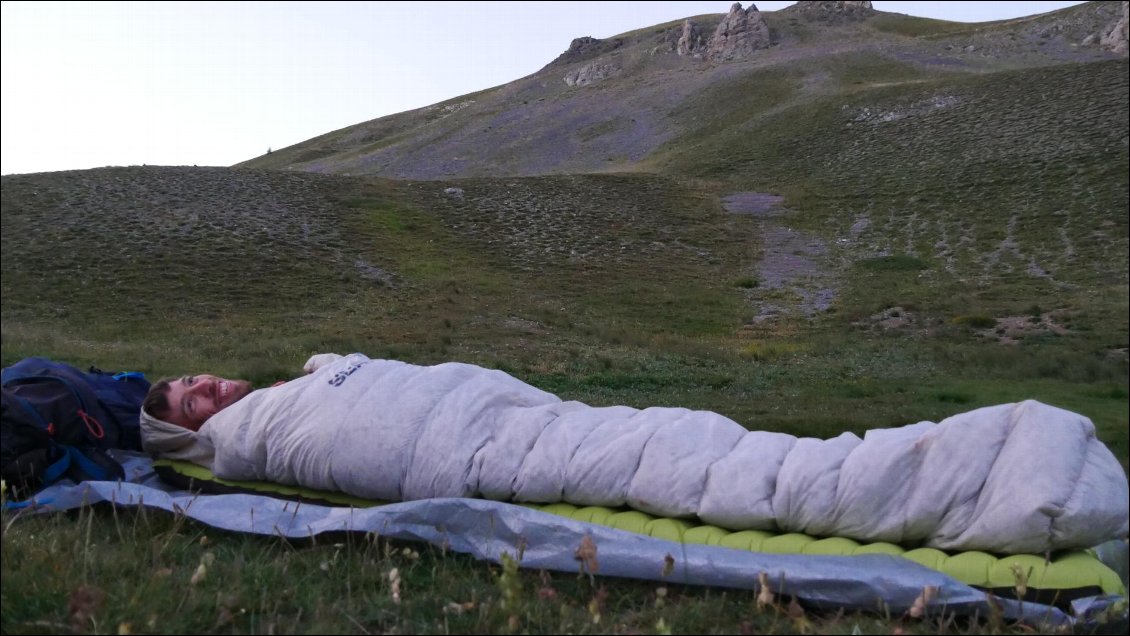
(870, 220)
(608, 105)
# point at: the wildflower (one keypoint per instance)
(199, 575)
(1020, 577)
(394, 583)
(764, 595)
(458, 608)
(918, 610)
(586, 555)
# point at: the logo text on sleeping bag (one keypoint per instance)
(340, 377)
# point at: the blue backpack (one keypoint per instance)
(58, 422)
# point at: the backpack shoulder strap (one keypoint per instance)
(96, 466)
(35, 415)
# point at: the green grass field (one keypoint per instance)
(962, 219)
(645, 310)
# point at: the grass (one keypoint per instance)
(511, 275)
(951, 202)
(188, 578)
(914, 26)
(481, 278)
(897, 263)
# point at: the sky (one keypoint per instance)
(92, 84)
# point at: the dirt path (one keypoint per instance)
(792, 274)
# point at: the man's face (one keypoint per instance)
(195, 398)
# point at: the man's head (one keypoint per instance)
(190, 400)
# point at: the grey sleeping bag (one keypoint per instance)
(1014, 478)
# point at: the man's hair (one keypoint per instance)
(156, 402)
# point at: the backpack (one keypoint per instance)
(58, 421)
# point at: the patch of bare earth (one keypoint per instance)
(1011, 330)
(890, 318)
(792, 273)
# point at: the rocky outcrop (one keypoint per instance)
(1064, 34)
(691, 41)
(1098, 25)
(739, 34)
(589, 73)
(1114, 38)
(586, 48)
(830, 12)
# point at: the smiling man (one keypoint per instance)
(395, 431)
(190, 400)
(175, 408)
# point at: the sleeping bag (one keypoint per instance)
(1013, 478)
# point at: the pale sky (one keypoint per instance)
(92, 84)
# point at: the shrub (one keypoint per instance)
(975, 321)
(894, 263)
(952, 397)
(769, 351)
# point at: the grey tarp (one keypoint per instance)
(487, 529)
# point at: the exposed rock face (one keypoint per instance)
(586, 48)
(589, 73)
(579, 47)
(1109, 34)
(1115, 38)
(1094, 25)
(833, 12)
(739, 34)
(691, 41)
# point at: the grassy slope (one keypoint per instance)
(994, 190)
(610, 289)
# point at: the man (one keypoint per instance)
(190, 400)
(393, 431)
(175, 409)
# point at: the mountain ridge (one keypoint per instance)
(606, 104)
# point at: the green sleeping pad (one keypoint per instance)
(1065, 576)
